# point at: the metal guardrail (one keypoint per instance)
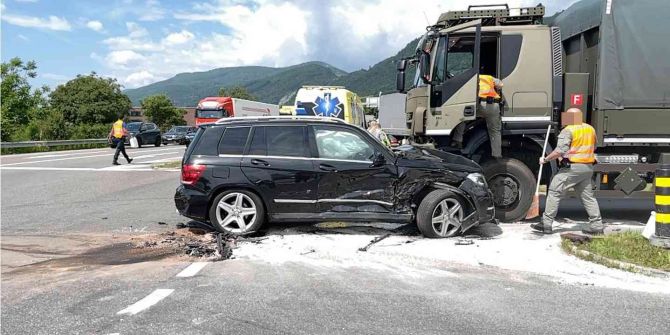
(30, 144)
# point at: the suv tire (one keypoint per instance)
(158, 141)
(238, 212)
(440, 214)
(139, 142)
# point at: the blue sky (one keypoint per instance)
(144, 41)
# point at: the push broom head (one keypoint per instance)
(534, 210)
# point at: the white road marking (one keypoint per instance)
(146, 302)
(69, 154)
(192, 269)
(107, 169)
(153, 155)
(58, 159)
(110, 154)
(169, 159)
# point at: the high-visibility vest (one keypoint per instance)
(117, 129)
(487, 87)
(583, 144)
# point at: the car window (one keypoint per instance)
(234, 140)
(288, 141)
(208, 141)
(334, 143)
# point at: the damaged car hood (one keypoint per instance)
(417, 157)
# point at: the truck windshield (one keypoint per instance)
(209, 114)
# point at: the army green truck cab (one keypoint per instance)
(584, 58)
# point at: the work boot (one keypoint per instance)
(115, 163)
(593, 231)
(541, 228)
(129, 160)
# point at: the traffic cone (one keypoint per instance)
(534, 210)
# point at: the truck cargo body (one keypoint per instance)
(392, 114)
(607, 57)
(211, 109)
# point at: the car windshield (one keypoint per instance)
(179, 130)
(135, 126)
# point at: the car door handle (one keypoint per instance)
(259, 162)
(326, 167)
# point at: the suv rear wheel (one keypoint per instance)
(237, 211)
(440, 214)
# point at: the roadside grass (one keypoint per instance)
(167, 165)
(29, 150)
(628, 247)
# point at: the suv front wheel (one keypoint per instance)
(237, 211)
(440, 214)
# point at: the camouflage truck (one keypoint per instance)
(608, 57)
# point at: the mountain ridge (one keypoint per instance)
(270, 84)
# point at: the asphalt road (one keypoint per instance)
(58, 206)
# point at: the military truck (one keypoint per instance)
(607, 57)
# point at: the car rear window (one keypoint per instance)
(234, 140)
(288, 141)
(207, 142)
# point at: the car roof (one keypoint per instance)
(276, 119)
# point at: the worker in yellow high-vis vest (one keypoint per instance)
(489, 110)
(118, 136)
(576, 147)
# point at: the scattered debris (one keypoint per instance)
(194, 242)
(576, 238)
(374, 241)
(104, 218)
(161, 222)
(464, 241)
(307, 252)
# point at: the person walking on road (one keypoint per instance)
(489, 110)
(576, 146)
(118, 136)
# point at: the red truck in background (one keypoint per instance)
(211, 109)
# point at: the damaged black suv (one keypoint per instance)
(241, 172)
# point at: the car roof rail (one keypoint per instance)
(280, 118)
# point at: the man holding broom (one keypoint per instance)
(576, 146)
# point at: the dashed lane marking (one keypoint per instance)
(68, 154)
(192, 269)
(146, 302)
(153, 155)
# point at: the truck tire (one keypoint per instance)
(512, 185)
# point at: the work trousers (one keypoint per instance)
(577, 176)
(120, 148)
(491, 114)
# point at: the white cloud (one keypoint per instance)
(23, 37)
(31, 1)
(140, 78)
(178, 38)
(51, 23)
(54, 77)
(95, 25)
(122, 58)
(349, 34)
(147, 10)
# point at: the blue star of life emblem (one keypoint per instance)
(326, 106)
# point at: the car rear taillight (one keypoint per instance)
(190, 173)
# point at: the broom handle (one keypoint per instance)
(544, 150)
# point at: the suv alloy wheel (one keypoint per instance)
(237, 211)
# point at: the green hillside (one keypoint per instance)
(273, 85)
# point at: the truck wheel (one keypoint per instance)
(440, 214)
(512, 185)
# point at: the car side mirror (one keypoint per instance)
(378, 159)
(402, 65)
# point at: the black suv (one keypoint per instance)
(241, 172)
